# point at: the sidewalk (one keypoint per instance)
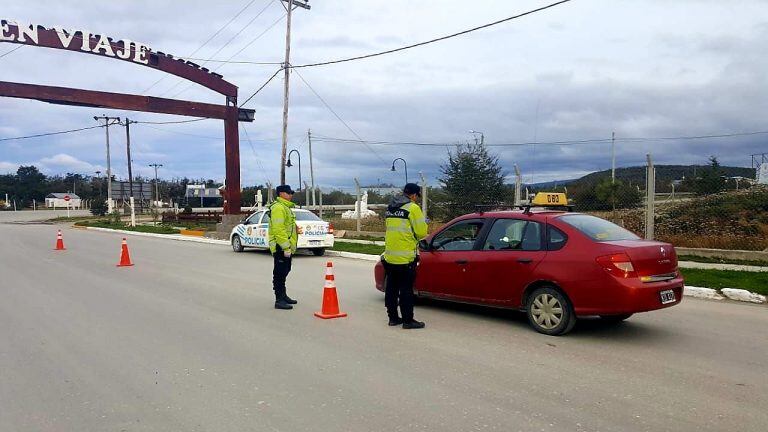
(716, 266)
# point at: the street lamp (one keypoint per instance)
(405, 164)
(482, 137)
(289, 164)
(98, 177)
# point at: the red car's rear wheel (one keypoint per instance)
(550, 312)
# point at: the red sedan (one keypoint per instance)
(554, 265)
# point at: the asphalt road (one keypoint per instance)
(187, 340)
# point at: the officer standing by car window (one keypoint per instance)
(406, 225)
(283, 237)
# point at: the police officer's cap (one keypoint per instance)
(412, 188)
(284, 188)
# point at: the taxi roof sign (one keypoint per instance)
(549, 199)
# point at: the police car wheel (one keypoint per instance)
(550, 312)
(237, 244)
(318, 251)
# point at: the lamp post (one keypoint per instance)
(405, 164)
(289, 164)
(482, 137)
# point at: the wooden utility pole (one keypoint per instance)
(109, 163)
(287, 69)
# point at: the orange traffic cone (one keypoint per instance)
(59, 242)
(330, 300)
(125, 257)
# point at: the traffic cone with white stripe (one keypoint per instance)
(125, 257)
(59, 242)
(330, 300)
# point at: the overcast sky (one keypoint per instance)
(641, 68)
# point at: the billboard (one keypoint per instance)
(141, 191)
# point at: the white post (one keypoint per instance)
(424, 199)
(34, 205)
(258, 200)
(357, 205)
(650, 193)
(133, 213)
(68, 206)
(518, 186)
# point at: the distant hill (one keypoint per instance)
(665, 174)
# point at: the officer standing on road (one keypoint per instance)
(406, 225)
(282, 243)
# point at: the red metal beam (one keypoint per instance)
(74, 40)
(99, 99)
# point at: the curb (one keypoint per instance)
(717, 266)
(689, 291)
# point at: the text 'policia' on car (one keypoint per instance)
(553, 264)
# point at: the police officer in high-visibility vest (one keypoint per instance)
(283, 237)
(406, 225)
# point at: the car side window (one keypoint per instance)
(514, 234)
(265, 219)
(460, 236)
(556, 239)
(254, 218)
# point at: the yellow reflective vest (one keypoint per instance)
(406, 225)
(282, 226)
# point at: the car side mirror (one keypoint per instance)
(423, 245)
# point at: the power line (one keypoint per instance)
(568, 142)
(339, 117)
(258, 161)
(172, 122)
(53, 133)
(226, 44)
(206, 42)
(211, 60)
(11, 51)
(261, 88)
(442, 38)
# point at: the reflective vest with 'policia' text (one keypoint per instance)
(406, 225)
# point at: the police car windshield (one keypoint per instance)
(598, 229)
(306, 216)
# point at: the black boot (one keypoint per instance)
(413, 324)
(395, 321)
(289, 300)
(281, 304)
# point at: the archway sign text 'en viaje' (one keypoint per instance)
(138, 53)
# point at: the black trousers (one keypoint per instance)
(399, 289)
(279, 272)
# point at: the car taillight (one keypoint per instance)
(618, 265)
(330, 228)
(299, 229)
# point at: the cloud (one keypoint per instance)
(8, 167)
(61, 163)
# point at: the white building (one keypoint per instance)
(56, 200)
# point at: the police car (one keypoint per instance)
(314, 233)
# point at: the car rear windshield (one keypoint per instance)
(306, 216)
(598, 229)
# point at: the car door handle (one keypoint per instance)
(461, 261)
(525, 260)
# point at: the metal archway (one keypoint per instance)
(134, 52)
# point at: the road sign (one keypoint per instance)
(66, 198)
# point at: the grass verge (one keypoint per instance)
(720, 260)
(160, 229)
(751, 281)
(358, 248)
